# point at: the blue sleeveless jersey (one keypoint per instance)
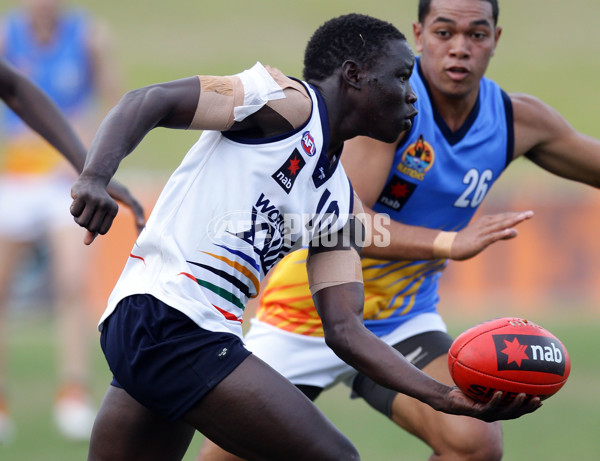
(438, 180)
(62, 68)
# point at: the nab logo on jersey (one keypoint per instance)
(286, 175)
(308, 144)
(417, 159)
(396, 193)
(530, 353)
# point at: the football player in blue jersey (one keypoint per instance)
(431, 182)
(172, 332)
(41, 114)
(67, 54)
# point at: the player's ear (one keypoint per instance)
(497, 34)
(418, 34)
(353, 73)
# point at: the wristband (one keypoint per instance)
(442, 244)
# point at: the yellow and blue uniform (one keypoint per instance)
(62, 68)
(35, 180)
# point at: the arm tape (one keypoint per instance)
(442, 244)
(332, 268)
(218, 98)
(229, 99)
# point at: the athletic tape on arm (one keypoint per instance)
(336, 267)
(442, 244)
(331, 268)
(225, 100)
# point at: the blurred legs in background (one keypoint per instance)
(42, 215)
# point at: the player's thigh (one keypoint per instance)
(11, 253)
(125, 430)
(441, 430)
(256, 413)
(69, 263)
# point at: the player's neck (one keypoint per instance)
(44, 28)
(454, 109)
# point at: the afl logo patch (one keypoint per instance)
(417, 159)
(286, 175)
(308, 144)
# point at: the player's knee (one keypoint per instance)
(474, 442)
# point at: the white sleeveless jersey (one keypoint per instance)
(231, 210)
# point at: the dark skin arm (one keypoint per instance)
(169, 105)
(341, 310)
(36, 109)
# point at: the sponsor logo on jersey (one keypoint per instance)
(308, 144)
(286, 175)
(417, 159)
(530, 353)
(396, 193)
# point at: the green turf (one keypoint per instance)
(564, 428)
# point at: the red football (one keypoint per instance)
(508, 354)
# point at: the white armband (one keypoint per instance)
(259, 89)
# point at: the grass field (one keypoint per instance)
(548, 48)
(565, 428)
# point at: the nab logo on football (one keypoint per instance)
(308, 144)
(286, 175)
(530, 353)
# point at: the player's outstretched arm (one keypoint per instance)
(170, 105)
(547, 139)
(392, 240)
(367, 163)
(334, 278)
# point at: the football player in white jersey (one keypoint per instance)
(171, 333)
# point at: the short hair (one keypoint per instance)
(352, 36)
(424, 6)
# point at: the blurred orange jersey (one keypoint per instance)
(28, 155)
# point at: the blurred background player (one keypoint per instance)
(466, 133)
(65, 53)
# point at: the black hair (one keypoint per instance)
(425, 4)
(352, 36)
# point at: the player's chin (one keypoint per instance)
(407, 124)
(391, 135)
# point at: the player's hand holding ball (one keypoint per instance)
(511, 355)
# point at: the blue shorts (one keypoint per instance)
(162, 358)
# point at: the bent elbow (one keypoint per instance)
(339, 339)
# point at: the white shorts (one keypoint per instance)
(308, 360)
(32, 206)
